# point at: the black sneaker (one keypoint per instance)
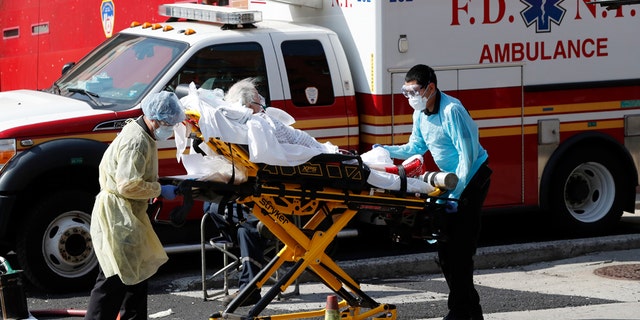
(251, 300)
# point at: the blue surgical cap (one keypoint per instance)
(163, 106)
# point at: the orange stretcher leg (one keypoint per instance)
(306, 247)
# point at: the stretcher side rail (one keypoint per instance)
(340, 171)
(363, 199)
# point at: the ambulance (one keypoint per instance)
(553, 87)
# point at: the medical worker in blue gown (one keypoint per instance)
(124, 242)
(442, 126)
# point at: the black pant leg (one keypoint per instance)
(456, 261)
(106, 298)
(135, 302)
(456, 253)
(251, 253)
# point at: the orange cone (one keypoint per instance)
(331, 310)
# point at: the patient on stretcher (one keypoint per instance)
(240, 117)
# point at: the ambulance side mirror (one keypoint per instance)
(67, 66)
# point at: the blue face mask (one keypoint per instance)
(163, 132)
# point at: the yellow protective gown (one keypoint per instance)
(123, 238)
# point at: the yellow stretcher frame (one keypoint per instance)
(273, 204)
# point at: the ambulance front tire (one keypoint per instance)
(583, 192)
(54, 247)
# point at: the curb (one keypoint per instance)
(490, 257)
(486, 258)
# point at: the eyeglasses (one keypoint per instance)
(411, 90)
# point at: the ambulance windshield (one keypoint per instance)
(121, 71)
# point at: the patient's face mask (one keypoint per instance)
(258, 106)
(163, 132)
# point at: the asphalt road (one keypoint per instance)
(505, 242)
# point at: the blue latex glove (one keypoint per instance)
(377, 145)
(451, 207)
(168, 191)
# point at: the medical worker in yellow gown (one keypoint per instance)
(125, 244)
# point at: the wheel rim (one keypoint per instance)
(589, 192)
(67, 247)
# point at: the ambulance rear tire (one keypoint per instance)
(54, 246)
(584, 193)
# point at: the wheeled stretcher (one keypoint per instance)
(328, 191)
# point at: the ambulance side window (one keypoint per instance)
(220, 66)
(308, 73)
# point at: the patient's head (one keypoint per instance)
(245, 92)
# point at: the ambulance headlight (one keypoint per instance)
(7, 150)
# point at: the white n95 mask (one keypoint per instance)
(418, 103)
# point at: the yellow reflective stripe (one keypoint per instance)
(386, 120)
(495, 113)
(564, 127)
(501, 132)
(167, 154)
(102, 137)
(325, 123)
(573, 108)
(386, 139)
(342, 141)
(592, 125)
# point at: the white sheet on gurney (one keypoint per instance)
(236, 124)
(220, 120)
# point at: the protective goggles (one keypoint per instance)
(412, 90)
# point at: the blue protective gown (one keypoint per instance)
(452, 137)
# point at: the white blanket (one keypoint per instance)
(238, 125)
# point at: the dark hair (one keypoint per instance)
(422, 74)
